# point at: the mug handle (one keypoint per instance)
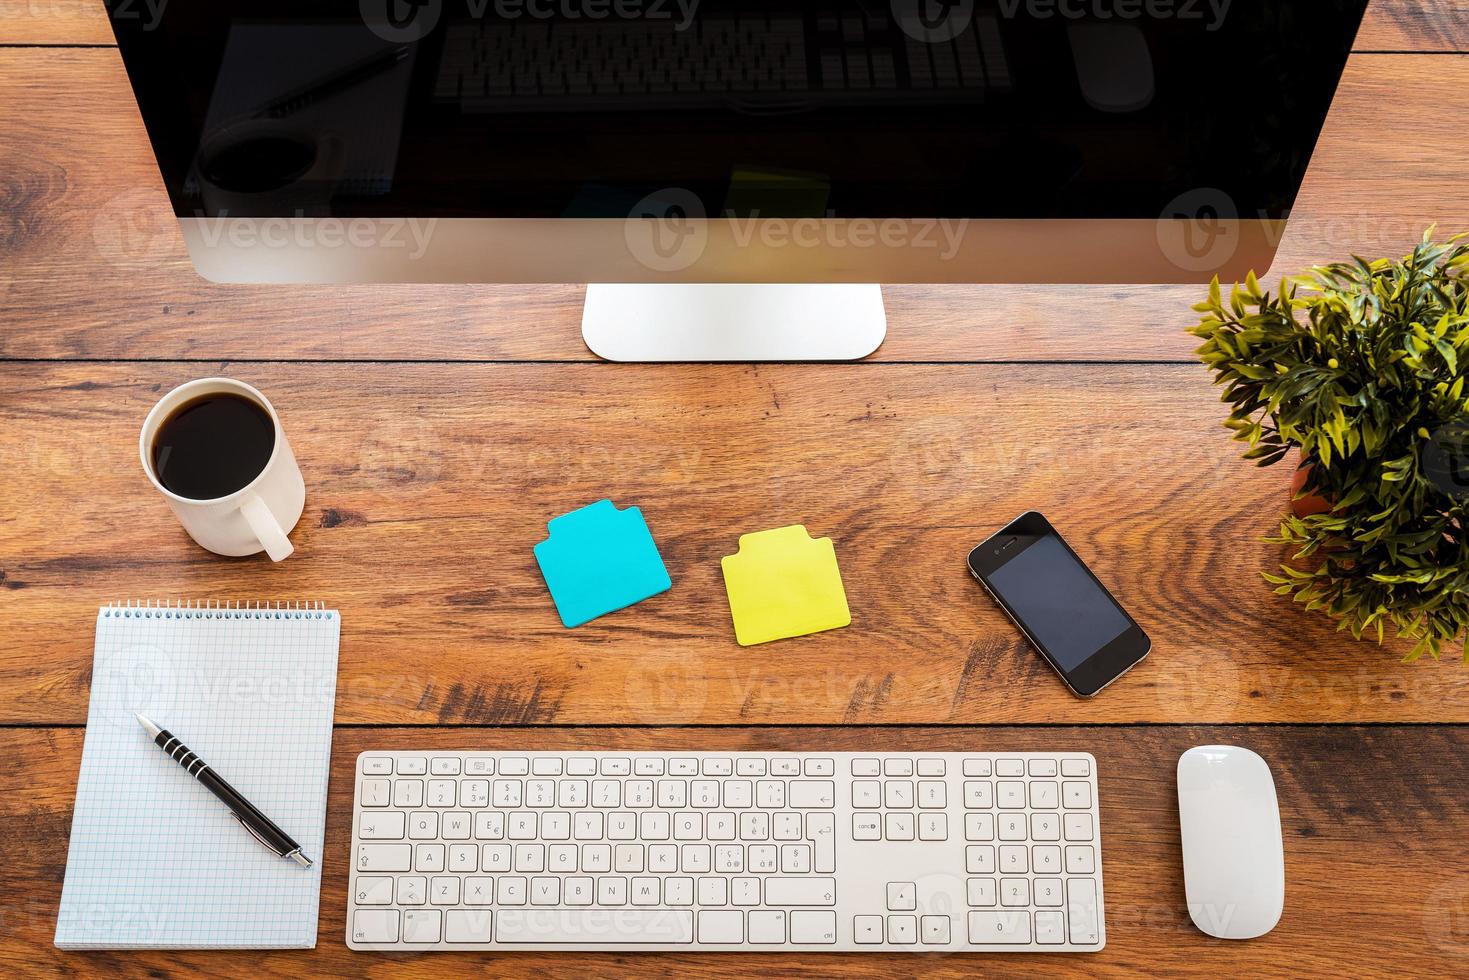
(263, 523)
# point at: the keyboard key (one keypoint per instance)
(412, 890)
(683, 767)
(977, 767)
(374, 890)
(407, 792)
(785, 767)
(465, 857)
(444, 890)
(384, 857)
(412, 767)
(818, 928)
(903, 929)
(1044, 795)
(1049, 930)
(933, 826)
(581, 766)
(445, 765)
(1045, 826)
(1010, 928)
(1076, 796)
(767, 927)
(820, 767)
(422, 925)
(1078, 826)
(930, 767)
(595, 927)
(514, 767)
(932, 794)
(375, 792)
(981, 892)
(1010, 794)
(1015, 892)
(616, 767)
(800, 891)
(979, 826)
(722, 927)
(1080, 860)
(897, 767)
(481, 766)
(375, 926)
(867, 929)
(866, 826)
(821, 831)
(750, 767)
(546, 766)
(1075, 767)
(1009, 767)
(1045, 859)
(902, 896)
(467, 926)
(866, 794)
(382, 826)
(935, 929)
(479, 891)
(867, 767)
(979, 859)
(1042, 767)
(718, 767)
(1081, 910)
(812, 794)
(897, 793)
(377, 765)
(979, 795)
(898, 826)
(648, 766)
(1048, 892)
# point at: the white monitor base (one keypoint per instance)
(733, 321)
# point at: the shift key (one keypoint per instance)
(800, 891)
(384, 857)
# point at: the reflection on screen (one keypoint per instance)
(1049, 591)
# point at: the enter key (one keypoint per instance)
(821, 831)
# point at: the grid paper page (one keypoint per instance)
(156, 860)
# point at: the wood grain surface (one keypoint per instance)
(1375, 886)
(94, 266)
(428, 485)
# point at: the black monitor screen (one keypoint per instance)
(582, 108)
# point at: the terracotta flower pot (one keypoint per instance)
(1311, 503)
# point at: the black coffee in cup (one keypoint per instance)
(213, 445)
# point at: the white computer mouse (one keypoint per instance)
(1233, 858)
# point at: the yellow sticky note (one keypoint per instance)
(782, 583)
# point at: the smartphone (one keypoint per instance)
(1066, 614)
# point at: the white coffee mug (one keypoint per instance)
(255, 518)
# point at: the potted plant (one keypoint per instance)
(1360, 366)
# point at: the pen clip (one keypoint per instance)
(255, 834)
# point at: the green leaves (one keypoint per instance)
(1357, 365)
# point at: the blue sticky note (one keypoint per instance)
(600, 559)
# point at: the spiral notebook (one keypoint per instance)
(156, 861)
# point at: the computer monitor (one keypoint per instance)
(734, 178)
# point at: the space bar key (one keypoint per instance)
(595, 926)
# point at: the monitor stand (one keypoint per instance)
(733, 321)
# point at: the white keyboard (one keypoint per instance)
(726, 851)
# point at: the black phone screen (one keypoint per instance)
(1059, 602)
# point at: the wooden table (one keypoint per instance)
(439, 427)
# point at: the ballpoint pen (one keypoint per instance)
(257, 823)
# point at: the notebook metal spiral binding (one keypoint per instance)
(215, 609)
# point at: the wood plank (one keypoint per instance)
(1390, 25)
(1367, 814)
(1415, 25)
(96, 267)
(56, 22)
(429, 485)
